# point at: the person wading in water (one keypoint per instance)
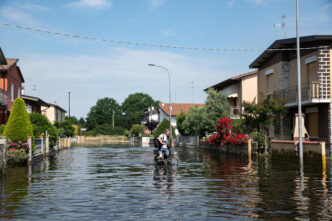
(164, 140)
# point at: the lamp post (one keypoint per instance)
(299, 85)
(69, 104)
(169, 90)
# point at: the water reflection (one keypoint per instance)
(122, 183)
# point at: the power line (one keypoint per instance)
(153, 45)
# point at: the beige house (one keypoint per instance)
(238, 89)
(277, 76)
(54, 112)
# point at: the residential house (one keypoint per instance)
(277, 76)
(11, 80)
(54, 112)
(238, 89)
(34, 104)
(162, 111)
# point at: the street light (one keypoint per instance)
(169, 90)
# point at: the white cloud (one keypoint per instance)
(17, 16)
(116, 73)
(96, 4)
(33, 7)
(153, 4)
(327, 6)
(167, 32)
(230, 3)
(258, 2)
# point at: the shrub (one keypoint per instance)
(65, 127)
(18, 126)
(107, 129)
(17, 157)
(2, 128)
(162, 127)
(180, 118)
(225, 134)
(151, 124)
(137, 130)
(41, 124)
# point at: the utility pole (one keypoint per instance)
(69, 104)
(113, 119)
(192, 92)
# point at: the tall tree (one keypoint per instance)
(102, 113)
(134, 106)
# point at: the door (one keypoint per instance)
(313, 124)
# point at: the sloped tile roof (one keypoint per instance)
(177, 107)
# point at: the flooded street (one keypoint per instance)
(122, 183)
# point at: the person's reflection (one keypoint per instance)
(164, 179)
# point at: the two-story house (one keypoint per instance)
(277, 76)
(54, 112)
(11, 80)
(161, 112)
(237, 90)
(34, 104)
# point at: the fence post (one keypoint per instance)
(47, 144)
(30, 149)
(42, 144)
(249, 149)
(3, 143)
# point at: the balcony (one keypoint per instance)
(3, 97)
(235, 112)
(310, 93)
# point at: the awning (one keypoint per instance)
(234, 95)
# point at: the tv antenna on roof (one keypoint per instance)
(34, 88)
(193, 95)
(282, 25)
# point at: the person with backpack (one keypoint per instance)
(163, 139)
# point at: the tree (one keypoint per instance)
(151, 124)
(197, 122)
(65, 127)
(102, 113)
(18, 126)
(82, 122)
(41, 124)
(180, 118)
(72, 119)
(257, 117)
(137, 130)
(200, 121)
(162, 127)
(134, 107)
(216, 105)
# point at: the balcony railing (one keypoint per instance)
(235, 112)
(309, 92)
(3, 97)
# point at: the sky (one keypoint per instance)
(54, 65)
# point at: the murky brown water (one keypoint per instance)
(121, 183)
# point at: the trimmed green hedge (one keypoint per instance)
(40, 124)
(18, 126)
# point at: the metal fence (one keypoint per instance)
(187, 140)
(38, 145)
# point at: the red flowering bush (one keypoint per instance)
(18, 146)
(225, 134)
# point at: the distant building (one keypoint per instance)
(161, 112)
(238, 89)
(34, 104)
(11, 80)
(54, 112)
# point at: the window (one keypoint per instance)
(29, 108)
(311, 72)
(19, 92)
(269, 84)
(12, 91)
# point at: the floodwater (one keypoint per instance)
(122, 183)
